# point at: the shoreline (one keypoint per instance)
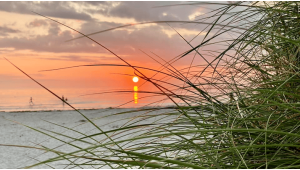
(22, 111)
(67, 110)
(89, 109)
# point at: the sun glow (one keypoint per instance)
(135, 79)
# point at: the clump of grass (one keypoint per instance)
(240, 110)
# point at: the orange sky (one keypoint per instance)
(34, 43)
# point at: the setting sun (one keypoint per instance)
(135, 79)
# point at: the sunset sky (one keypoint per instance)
(34, 43)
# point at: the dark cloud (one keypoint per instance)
(48, 8)
(6, 30)
(54, 41)
(147, 11)
(141, 11)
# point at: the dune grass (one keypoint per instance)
(241, 110)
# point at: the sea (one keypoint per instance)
(12, 100)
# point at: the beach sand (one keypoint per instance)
(13, 133)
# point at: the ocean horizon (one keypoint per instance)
(16, 100)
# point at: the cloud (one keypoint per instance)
(80, 58)
(53, 41)
(10, 76)
(140, 11)
(144, 10)
(38, 23)
(124, 42)
(195, 15)
(48, 8)
(6, 30)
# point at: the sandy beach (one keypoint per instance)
(14, 133)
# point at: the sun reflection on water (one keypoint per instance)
(135, 96)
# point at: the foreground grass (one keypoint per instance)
(243, 114)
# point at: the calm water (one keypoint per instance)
(19, 99)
